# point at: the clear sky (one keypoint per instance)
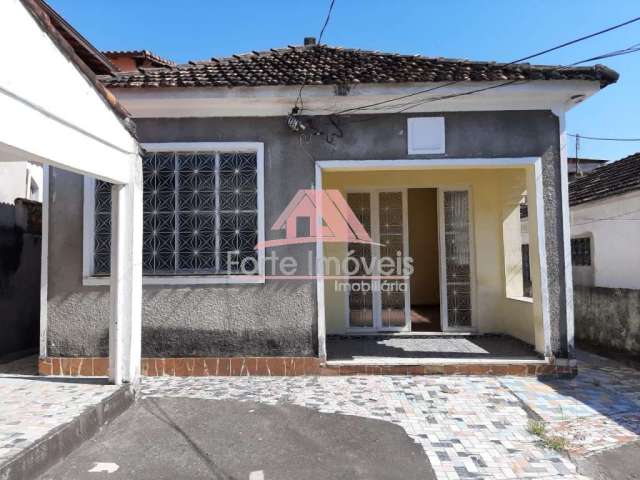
(500, 30)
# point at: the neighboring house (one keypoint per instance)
(581, 166)
(130, 60)
(438, 176)
(20, 180)
(605, 225)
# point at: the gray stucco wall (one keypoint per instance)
(277, 318)
(608, 317)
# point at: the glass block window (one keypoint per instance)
(200, 214)
(581, 252)
(102, 225)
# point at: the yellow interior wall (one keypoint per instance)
(491, 189)
(423, 245)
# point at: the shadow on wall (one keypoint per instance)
(20, 254)
(199, 342)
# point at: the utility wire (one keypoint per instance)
(410, 105)
(611, 219)
(326, 22)
(304, 81)
(586, 37)
(548, 50)
(604, 139)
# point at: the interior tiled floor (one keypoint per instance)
(417, 347)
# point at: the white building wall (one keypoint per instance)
(17, 179)
(613, 224)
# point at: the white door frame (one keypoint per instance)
(375, 253)
(425, 164)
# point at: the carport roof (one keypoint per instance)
(80, 52)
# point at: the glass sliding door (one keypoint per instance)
(379, 303)
(456, 261)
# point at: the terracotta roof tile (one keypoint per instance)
(324, 65)
(614, 178)
(157, 60)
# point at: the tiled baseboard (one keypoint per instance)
(186, 367)
(284, 366)
(486, 369)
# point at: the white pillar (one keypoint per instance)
(126, 279)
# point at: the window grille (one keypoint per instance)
(581, 252)
(200, 214)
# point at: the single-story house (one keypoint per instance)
(431, 156)
(605, 225)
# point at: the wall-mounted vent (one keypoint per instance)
(425, 135)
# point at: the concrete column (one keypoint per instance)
(126, 279)
(566, 230)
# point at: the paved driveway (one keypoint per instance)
(469, 427)
(462, 427)
(169, 438)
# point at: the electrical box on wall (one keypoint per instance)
(425, 135)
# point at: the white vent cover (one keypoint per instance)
(425, 135)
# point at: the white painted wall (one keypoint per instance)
(49, 111)
(614, 226)
(16, 179)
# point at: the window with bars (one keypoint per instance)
(581, 252)
(200, 214)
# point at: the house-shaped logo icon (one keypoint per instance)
(325, 214)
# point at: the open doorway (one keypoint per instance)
(423, 248)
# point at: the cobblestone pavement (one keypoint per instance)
(32, 406)
(469, 427)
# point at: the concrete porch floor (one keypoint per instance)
(402, 349)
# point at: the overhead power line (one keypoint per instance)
(572, 42)
(519, 60)
(304, 82)
(410, 105)
(326, 22)
(605, 139)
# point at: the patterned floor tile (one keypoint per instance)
(32, 406)
(469, 427)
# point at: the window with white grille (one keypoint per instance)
(200, 214)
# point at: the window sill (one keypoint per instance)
(521, 299)
(183, 280)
